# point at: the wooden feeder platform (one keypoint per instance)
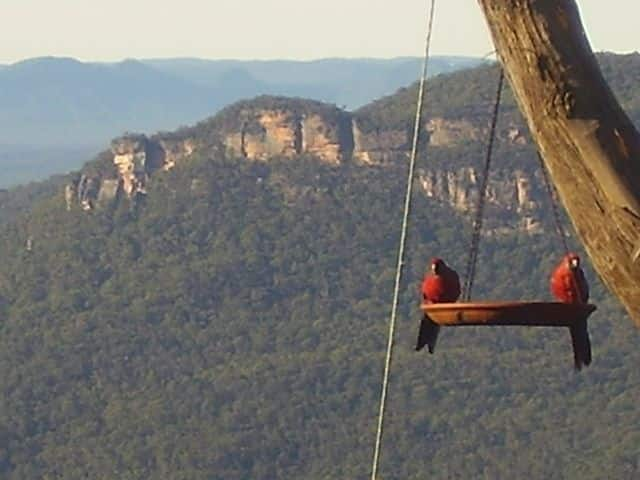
(527, 314)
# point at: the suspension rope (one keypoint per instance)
(554, 205)
(403, 237)
(477, 224)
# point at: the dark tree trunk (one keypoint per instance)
(590, 146)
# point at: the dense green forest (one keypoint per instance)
(232, 325)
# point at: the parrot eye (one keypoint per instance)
(436, 266)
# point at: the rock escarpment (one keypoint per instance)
(138, 157)
(135, 159)
(516, 194)
(270, 127)
(280, 128)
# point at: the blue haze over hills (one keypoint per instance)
(56, 112)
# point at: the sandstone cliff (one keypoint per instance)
(283, 128)
(271, 127)
(135, 158)
(511, 196)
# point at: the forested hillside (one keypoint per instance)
(470, 92)
(231, 324)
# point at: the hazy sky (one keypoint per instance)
(262, 29)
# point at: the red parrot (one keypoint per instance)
(569, 285)
(440, 285)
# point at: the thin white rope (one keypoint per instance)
(403, 237)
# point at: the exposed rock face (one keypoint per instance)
(109, 190)
(287, 128)
(84, 191)
(70, 195)
(449, 133)
(457, 188)
(175, 151)
(279, 133)
(380, 146)
(268, 135)
(330, 143)
(511, 194)
(130, 157)
(136, 158)
(454, 132)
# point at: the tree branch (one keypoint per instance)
(590, 146)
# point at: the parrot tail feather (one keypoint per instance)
(581, 344)
(428, 334)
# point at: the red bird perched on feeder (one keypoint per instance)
(569, 285)
(440, 285)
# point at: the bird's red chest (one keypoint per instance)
(436, 289)
(433, 288)
(561, 290)
(567, 287)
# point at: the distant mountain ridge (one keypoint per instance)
(350, 83)
(60, 104)
(62, 101)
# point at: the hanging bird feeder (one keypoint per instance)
(506, 313)
(526, 314)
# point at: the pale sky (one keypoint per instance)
(111, 30)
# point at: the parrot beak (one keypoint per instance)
(575, 263)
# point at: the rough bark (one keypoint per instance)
(590, 146)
